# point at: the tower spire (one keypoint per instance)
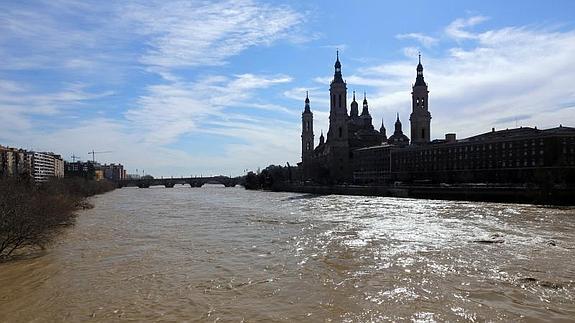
(420, 117)
(382, 132)
(365, 111)
(419, 81)
(354, 111)
(337, 74)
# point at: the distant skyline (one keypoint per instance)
(181, 88)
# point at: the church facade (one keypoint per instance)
(355, 152)
(333, 157)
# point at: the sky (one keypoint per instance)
(180, 88)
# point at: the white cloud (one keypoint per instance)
(424, 40)
(503, 76)
(19, 101)
(456, 29)
(171, 110)
(194, 33)
(68, 36)
(499, 76)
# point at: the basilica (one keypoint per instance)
(355, 152)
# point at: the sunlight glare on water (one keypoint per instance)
(217, 253)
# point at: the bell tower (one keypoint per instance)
(337, 135)
(337, 106)
(420, 117)
(306, 133)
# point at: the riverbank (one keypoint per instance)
(32, 216)
(507, 194)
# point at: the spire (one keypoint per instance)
(365, 110)
(419, 81)
(398, 125)
(321, 138)
(354, 111)
(382, 131)
(307, 108)
(337, 75)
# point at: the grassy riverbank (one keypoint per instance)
(31, 216)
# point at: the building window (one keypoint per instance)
(340, 132)
(422, 133)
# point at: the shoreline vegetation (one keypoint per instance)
(32, 216)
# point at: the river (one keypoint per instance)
(227, 254)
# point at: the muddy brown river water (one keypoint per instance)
(226, 254)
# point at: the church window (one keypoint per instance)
(422, 133)
(340, 132)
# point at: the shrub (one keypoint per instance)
(31, 216)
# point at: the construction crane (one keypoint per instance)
(74, 157)
(93, 153)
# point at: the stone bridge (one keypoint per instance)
(172, 181)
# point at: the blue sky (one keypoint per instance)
(217, 87)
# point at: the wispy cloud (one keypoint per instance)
(425, 40)
(456, 29)
(20, 103)
(101, 43)
(193, 33)
(503, 76)
(176, 109)
(158, 72)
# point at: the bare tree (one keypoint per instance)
(31, 216)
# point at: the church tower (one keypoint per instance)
(420, 117)
(354, 111)
(382, 132)
(307, 137)
(338, 107)
(365, 116)
(337, 136)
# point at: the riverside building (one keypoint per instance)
(354, 152)
(40, 166)
(46, 165)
